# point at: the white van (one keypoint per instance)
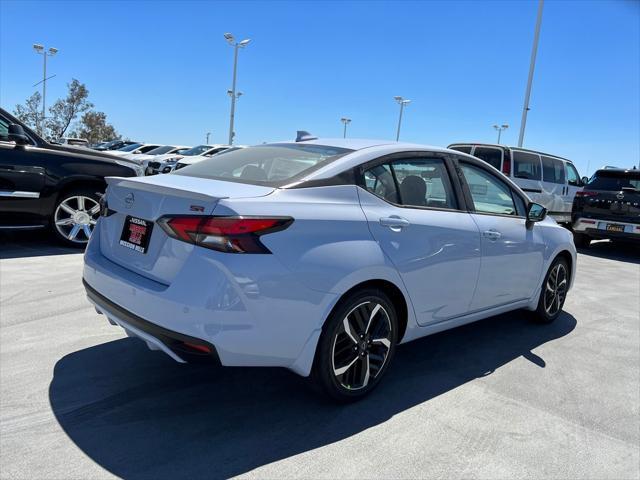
(547, 179)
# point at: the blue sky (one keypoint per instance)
(160, 70)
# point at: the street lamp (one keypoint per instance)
(40, 50)
(402, 102)
(236, 46)
(500, 128)
(346, 122)
(207, 142)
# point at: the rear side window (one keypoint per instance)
(419, 182)
(273, 165)
(552, 170)
(424, 183)
(526, 165)
(493, 156)
(614, 181)
(462, 148)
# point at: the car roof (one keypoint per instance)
(497, 145)
(362, 143)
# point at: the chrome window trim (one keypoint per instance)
(19, 194)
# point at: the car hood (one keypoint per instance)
(88, 153)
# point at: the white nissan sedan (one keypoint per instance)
(321, 256)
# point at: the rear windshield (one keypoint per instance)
(272, 165)
(614, 181)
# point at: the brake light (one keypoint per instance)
(584, 193)
(225, 234)
(506, 166)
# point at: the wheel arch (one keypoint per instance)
(390, 289)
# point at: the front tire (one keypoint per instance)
(356, 346)
(74, 216)
(554, 292)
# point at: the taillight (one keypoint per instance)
(584, 193)
(225, 234)
(506, 166)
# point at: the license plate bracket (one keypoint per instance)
(615, 227)
(136, 233)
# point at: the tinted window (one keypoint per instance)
(157, 150)
(614, 181)
(199, 150)
(493, 156)
(573, 178)
(552, 170)
(462, 148)
(130, 148)
(272, 165)
(379, 181)
(526, 165)
(489, 194)
(424, 183)
(4, 130)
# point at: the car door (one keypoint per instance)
(527, 174)
(512, 251)
(553, 178)
(22, 176)
(416, 217)
(574, 184)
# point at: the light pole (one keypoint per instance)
(346, 122)
(532, 66)
(500, 128)
(40, 50)
(236, 46)
(402, 102)
(207, 142)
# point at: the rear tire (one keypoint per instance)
(554, 292)
(356, 346)
(74, 216)
(581, 240)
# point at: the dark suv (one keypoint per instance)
(45, 185)
(608, 207)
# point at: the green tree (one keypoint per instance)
(94, 127)
(65, 110)
(30, 112)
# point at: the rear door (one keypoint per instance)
(416, 217)
(512, 254)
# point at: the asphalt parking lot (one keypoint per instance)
(502, 398)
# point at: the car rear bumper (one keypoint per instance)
(597, 228)
(249, 309)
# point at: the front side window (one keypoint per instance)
(493, 156)
(526, 165)
(552, 170)
(271, 165)
(573, 178)
(4, 130)
(489, 194)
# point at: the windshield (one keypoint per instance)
(199, 150)
(161, 150)
(614, 181)
(272, 165)
(130, 148)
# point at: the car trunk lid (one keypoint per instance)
(136, 204)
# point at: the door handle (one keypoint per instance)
(394, 222)
(492, 234)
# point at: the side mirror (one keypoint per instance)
(584, 180)
(535, 213)
(16, 134)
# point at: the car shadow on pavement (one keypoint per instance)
(31, 243)
(623, 252)
(138, 414)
